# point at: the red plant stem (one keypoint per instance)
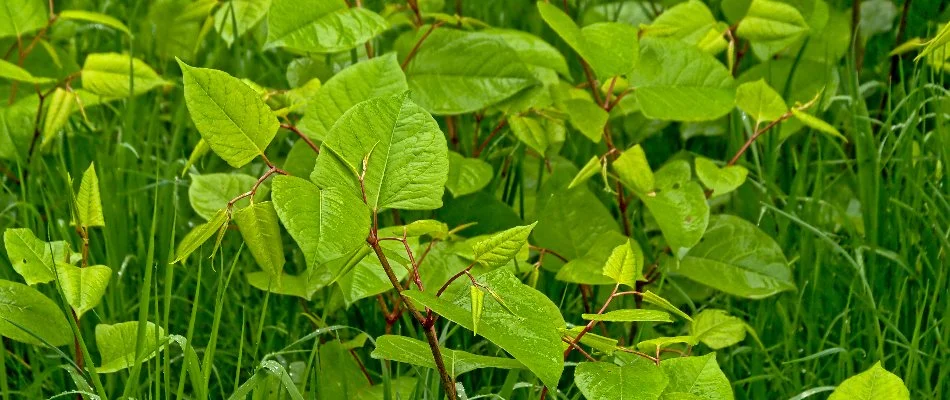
(591, 81)
(303, 137)
(415, 48)
(362, 367)
(273, 170)
(501, 124)
(453, 278)
(755, 136)
(414, 6)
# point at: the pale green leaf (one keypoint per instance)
(88, 200)
(478, 302)
(467, 175)
(303, 285)
(199, 151)
(591, 168)
(95, 18)
(771, 26)
(697, 375)
(633, 315)
(587, 117)
(16, 128)
(691, 22)
(678, 205)
(936, 43)
(83, 287)
(542, 134)
(23, 307)
(200, 234)
(571, 222)
(59, 106)
(395, 146)
(230, 116)
(117, 344)
(665, 304)
(209, 193)
(625, 264)
(602, 344)
(502, 247)
(261, 233)
(720, 180)
(431, 227)
(236, 17)
(653, 346)
(181, 24)
(532, 49)
(717, 329)
(367, 278)
(760, 101)
(634, 170)
(588, 269)
(817, 124)
(610, 48)
(327, 26)
(18, 17)
(107, 74)
(606, 381)
(11, 71)
(874, 383)
(31, 257)
(416, 352)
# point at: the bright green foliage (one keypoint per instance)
(541, 134)
(208, 193)
(771, 26)
(14, 72)
(107, 74)
(457, 72)
(502, 247)
(467, 175)
(760, 101)
(259, 228)
(589, 267)
(697, 375)
(605, 381)
(18, 17)
(665, 304)
(117, 345)
(591, 168)
(323, 27)
(60, 105)
(571, 223)
(390, 152)
(95, 18)
(587, 117)
(717, 329)
(416, 352)
(230, 116)
(654, 346)
(678, 205)
(201, 234)
(693, 23)
(625, 264)
(720, 180)
(738, 258)
(610, 48)
(303, 285)
(937, 43)
(31, 317)
(630, 316)
(821, 126)
(16, 122)
(532, 50)
(634, 170)
(478, 302)
(89, 201)
(31, 257)
(235, 17)
(83, 287)
(875, 383)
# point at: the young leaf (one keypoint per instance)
(933, 45)
(717, 329)
(327, 26)
(607, 381)
(467, 175)
(95, 18)
(502, 247)
(61, 104)
(83, 287)
(691, 22)
(31, 257)
(697, 375)
(679, 206)
(14, 72)
(390, 147)
(665, 304)
(117, 345)
(199, 235)
(817, 124)
(760, 101)
(602, 344)
(720, 180)
(874, 383)
(588, 269)
(588, 170)
(18, 17)
(610, 48)
(416, 352)
(236, 17)
(634, 170)
(107, 74)
(587, 117)
(625, 264)
(771, 26)
(478, 302)
(28, 314)
(431, 227)
(738, 258)
(230, 115)
(208, 193)
(637, 315)
(259, 228)
(542, 134)
(88, 200)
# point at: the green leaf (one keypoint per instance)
(423, 227)
(679, 82)
(587, 117)
(83, 287)
(88, 199)
(326, 224)
(678, 205)
(738, 258)
(303, 285)
(259, 228)
(209, 193)
(771, 26)
(691, 22)
(378, 77)
(395, 146)
(31, 257)
(717, 329)
(610, 48)
(760, 101)
(117, 344)
(16, 128)
(200, 234)
(571, 222)
(544, 135)
(606, 381)
(817, 124)
(23, 307)
(634, 170)
(665, 304)
(530, 335)
(654, 345)
(720, 180)
(936, 43)
(699, 376)
(478, 302)
(532, 49)
(874, 383)
(14, 72)
(338, 376)
(625, 264)
(367, 278)
(502, 247)
(456, 72)
(181, 24)
(602, 344)
(95, 18)
(107, 74)
(588, 269)
(18, 17)
(416, 352)
(637, 315)
(467, 175)
(230, 115)
(591, 168)
(324, 27)
(235, 17)
(60, 105)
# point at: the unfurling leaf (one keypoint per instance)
(636, 315)
(588, 170)
(665, 304)
(817, 124)
(88, 201)
(478, 301)
(502, 247)
(625, 264)
(200, 234)
(83, 287)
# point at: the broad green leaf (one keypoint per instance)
(817, 124)
(23, 307)
(634, 170)
(456, 72)
(230, 116)
(16, 128)
(117, 344)
(697, 375)
(107, 74)
(59, 106)
(83, 287)
(874, 383)
(665, 304)
(760, 101)
(587, 117)
(588, 269)
(771, 26)
(467, 175)
(542, 134)
(678, 205)
(720, 180)
(259, 228)
(378, 77)
(571, 222)
(200, 234)
(235, 17)
(326, 224)
(303, 285)
(679, 82)
(18, 17)
(633, 315)
(209, 193)
(653, 346)
(625, 264)
(478, 302)
(339, 375)
(95, 18)
(395, 146)
(31, 257)
(416, 352)
(11, 71)
(610, 48)
(933, 45)
(738, 258)
(430, 227)
(502, 247)
(482, 213)
(88, 200)
(367, 278)
(803, 78)
(530, 335)
(591, 168)
(692, 22)
(717, 329)
(532, 49)
(606, 381)
(327, 26)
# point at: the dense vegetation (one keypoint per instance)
(382, 199)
